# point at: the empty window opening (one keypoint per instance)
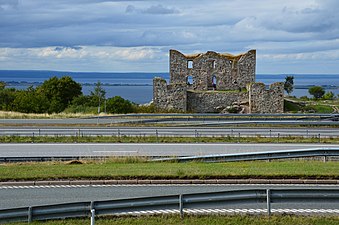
(189, 80)
(213, 64)
(189, 64)
(214, 82)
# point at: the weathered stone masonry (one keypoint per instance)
(211, 82)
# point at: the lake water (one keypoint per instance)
(137, 87)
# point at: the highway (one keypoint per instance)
(141, 149)
(18, 196)
(168, 131)
(184, 119)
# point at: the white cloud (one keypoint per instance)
(136, 32)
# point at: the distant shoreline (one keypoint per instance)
(25, 83)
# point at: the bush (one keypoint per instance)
(316, 91)
(304, 98)
(328, 95)
(119, 105)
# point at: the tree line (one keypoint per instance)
(56, 95)
(318, 92)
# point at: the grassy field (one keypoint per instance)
(154, 139)
(203, 220)
(135, 168)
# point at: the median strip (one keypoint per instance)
(170, 182)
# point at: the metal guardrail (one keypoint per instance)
(170, 202)
(268, 155)
(230, 133)
(248, 156)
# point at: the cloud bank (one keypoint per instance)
(106, 35)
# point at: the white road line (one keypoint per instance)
(163, 185)
(167, 144)
(115, 151)
(232, 211)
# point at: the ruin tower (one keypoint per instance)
(210, 82)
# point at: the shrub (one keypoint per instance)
(316, 91)
(119, 105)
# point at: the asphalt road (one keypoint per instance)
(168, 131)
(141, 149)
(41, 195)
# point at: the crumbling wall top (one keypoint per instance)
(224, 55)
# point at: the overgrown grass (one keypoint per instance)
(154, 139)
(136, 169)
(203, 220)
(18, 115)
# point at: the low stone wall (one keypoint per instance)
(213, 101)
(169, 97)
(266, 101)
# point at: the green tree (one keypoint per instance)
(329, 95)
(119, 105)
(316, 91)
(60, 92)
(2, 85)
(29, 101)
(7, 96)
(98, 95)
(289, 84)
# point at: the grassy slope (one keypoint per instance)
(154, 139)
(194, 170)
(203, 220)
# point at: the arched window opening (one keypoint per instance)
(190, 64)
(214, 82)
(213, 64)
(189, 80)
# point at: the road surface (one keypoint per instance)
(141, 149)
(19, 196)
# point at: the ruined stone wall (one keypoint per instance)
(246, 68)
(169, 97)
(229, 72)
(266, 101)
(213, 102)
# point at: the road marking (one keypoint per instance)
(163, 185)
(232, 211)
(115, 151)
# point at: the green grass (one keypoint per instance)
(320, 108)
(139, 169)
(154, 139)
(202, 220)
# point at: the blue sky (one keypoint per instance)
(290, 36)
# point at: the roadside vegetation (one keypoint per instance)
(162, 139)
(63, 98)
(200, 219)
(140, 168)
(64, 95)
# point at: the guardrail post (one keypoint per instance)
(29, 216)
(319, 137)
(181, 206)
(92, 216)
(156, 134)
(92, 213)
(268, 195)
(33, 137)
(278, 137)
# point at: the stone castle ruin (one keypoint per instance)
(216, 82)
